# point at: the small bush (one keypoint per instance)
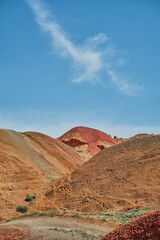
(64, 159)
(29, 198)
(22, 209)
(59, 214)
(27, 134)
(51, 213)
(146, 208)
(33, 213)
(42, 214)
(75, 215)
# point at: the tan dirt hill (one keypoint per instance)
(140, 135)
(87, 141)
(121, 177)
(27, 166)
(58, 149)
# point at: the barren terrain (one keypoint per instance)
(121, 177)
(58, 228)
(27, 166)
(121, 182)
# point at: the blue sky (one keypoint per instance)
(91, 63)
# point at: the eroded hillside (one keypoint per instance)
(123, 176)
(27, 164)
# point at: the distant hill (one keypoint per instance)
(140, 135)
(87, 141)
(121, 177)
(28, 162)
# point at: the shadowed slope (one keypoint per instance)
(146, 227)
(123, 176)
(87, 141)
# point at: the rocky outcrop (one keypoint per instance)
(87, 141)
(14, 233)
(146, 227)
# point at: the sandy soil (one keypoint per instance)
(61, 228)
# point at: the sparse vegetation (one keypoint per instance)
(75, 215)
(118, 217)
(43, 214)
(25, 215)
(51, 213)
(64, 159)
(33, 213)
(77, 232)
(60, 214)
(146, 208)
(30, 136)
(121, 217)
(22, 209)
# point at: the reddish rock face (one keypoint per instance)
(87, 141)
(146, 227)
(14, 233)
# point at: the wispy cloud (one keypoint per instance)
(124, 87)
(90, 59)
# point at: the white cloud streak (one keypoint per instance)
(92, 58)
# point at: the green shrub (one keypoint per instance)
(22, 209)
(29, 198)
(146, 208)
(59, 214)
(51, 213)
(75, 215)
(33, 213)
(64, 159)
(42, 214)
(27, 134)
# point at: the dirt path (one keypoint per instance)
(61, 228)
